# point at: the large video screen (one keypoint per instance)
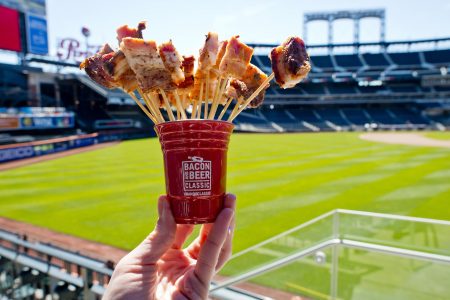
(9, 29)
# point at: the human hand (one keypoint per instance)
(160, 269)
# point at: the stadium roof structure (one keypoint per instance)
(383, 44)
(355, 15)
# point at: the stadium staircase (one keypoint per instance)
(342, 254)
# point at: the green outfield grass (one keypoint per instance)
(439, 135)
(282, 180)
(109, 195)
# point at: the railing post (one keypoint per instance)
(335, 258)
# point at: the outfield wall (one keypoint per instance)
(44, 147)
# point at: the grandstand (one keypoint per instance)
(380, 90)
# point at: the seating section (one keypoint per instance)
(323, 62)
(356, 116)
(405, 58)
(375, 60)
(348, 61)
(437, 57)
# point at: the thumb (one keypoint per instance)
(162, 237)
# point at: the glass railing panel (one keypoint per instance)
(371, 275)
(431, 236)
(308, 277)
(281, 246)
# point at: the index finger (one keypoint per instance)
(194, 248)
(209, 252)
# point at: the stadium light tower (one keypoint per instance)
(355, 15)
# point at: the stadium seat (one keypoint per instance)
(405, 58)
(375, 60)
(438, 57)
(350, 61)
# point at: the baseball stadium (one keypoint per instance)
(342, 180)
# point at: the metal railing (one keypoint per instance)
(340, 231)
(88, 276)
(322, 244)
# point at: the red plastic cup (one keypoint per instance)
(195, 165)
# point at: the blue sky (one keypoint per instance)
(269, 21)
(186, 22)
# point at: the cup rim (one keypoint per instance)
(193, 120)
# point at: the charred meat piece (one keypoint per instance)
(126, 31)
(144, 60)
(117, 66)
(187, 65)
(208, 53)
(206, 61)
(236, 58)
(249, 83)
(236, 89)
(220, 54)
(290, 62)
(172, 61)
(253, 78)
(95, 67)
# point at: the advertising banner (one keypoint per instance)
(9, 30)
(46, 122)
(9, 123)
(37, 39)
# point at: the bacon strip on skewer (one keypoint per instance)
(145, 61)
(126, 31)
(290, 62)
(95, 67)
(236, 58)
(172, 61)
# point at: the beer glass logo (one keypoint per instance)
(196, 176)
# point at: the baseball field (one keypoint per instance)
(109, 195)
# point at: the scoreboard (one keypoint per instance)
(23, 26)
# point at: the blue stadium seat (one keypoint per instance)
(356, 116)
(341, 89)
(314, 89)
(381, 116)
(281, 118)
(350, 61)
(407, 116)
(261, 61)
(371, 89)
(322, 61)
(333, 115)
(403, 88)
(437, 57)
(375, 60)
(405, 58)
(442, 88)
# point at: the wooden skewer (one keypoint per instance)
(151, 100)
(224, 109)
(154, 110)
(154, 97)
(180, 106)
(216, 93)
(198, 104)
(138, 102)
(239, 102)
(194, 109)
(255, 93)
(183, 101)
(167, 105)
(217, 100)
(205, 116)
